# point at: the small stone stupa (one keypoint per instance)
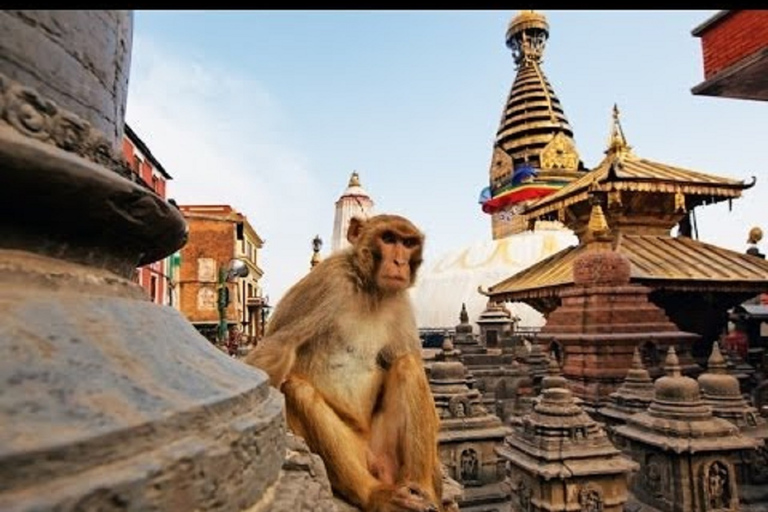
(720, 390)
(468, 435)
(496, 324)
(558, 458)
(687, 456)
(634, 396)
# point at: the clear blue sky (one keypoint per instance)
(271, 111)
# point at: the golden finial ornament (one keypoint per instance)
(527, 36)
(617, 144)
(354, 180)
(755, 235)
(598, 225)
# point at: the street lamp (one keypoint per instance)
(235, 268)
(317, 244)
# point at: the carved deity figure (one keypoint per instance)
(718, 486)
(469, 465)
(591, 500)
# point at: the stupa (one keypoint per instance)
(687, 456)
(558, 458)
(632, 397)
(468, 435)
(720, 390)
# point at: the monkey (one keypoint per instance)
(343, 347)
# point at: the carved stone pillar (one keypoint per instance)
(107, 401)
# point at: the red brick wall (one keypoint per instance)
(207, 239)
(732, 38)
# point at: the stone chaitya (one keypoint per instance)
(633, 396)
(497, 375)
(604, 317)
(558, 458)
(468, 435)
(721, 392)
(496, 324)
(687, 457)
(108, 401)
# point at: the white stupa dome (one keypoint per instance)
(453, 278)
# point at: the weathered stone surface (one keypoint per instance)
(109, 401)
(79, 59)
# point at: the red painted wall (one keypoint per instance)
(159, 268)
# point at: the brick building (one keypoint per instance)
(217, 234)
(157, 278)
(734, 46)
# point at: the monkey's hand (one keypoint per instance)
(276, 361)
(403, 498)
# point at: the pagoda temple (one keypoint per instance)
(642, 200)
(534, 153)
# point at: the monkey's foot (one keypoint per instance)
(406, 498)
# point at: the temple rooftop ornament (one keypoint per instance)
(558, 447)
(534, 153)
(687, 456)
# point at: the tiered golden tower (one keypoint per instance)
(534, 153)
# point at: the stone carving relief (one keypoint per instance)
(524, 496)
(470, 466)
(28, 113)
(460, 407)
(590, 499)
(717, 486)
(758, 466)
(655, 478)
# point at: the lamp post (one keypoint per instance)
(235, 268)
(317, 244)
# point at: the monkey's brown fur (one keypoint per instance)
(343, 347)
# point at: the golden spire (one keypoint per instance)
(354, 180)
(598, 225)
(617, 144)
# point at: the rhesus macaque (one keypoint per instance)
(343, 347)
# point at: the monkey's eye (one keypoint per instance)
(388, 237)
(411, 242)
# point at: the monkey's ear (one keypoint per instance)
(354, 229)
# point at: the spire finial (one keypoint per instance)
(617, 144)
(716, 362)
(354, 180)
(597, 227)
(637, 361)
(527, 36)
(672, 363)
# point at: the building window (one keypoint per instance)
(137, 164)
(153, 288)
(155, 183)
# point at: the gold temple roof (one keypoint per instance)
(659, 261)
(629, 172)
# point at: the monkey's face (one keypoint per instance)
(387, 251)
(399, 253)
